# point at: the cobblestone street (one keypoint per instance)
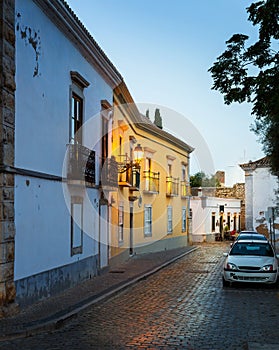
(183, 306)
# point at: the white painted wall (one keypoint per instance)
(264, 185)
(42, 218)
(202, 209)
(43, 101)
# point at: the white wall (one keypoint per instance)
(43, 227)
(43, 101)
(42, 218)
(202, 209)
(264, 185)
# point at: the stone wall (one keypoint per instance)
(7, 127)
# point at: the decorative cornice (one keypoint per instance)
(79, 80)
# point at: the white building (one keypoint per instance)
(260, 196)
(63, 79)
(210, 216)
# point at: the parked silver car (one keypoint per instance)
(250, 261)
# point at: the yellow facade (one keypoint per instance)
(150, 209)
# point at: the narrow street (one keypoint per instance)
(183, 306)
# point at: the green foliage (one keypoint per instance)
(200, 179)
(251, 74)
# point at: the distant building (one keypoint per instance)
(211, 214)
(220, 176)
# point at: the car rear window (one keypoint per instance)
(259, 249)
(251, 237)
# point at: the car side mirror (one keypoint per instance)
(225, 254)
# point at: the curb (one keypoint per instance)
(58, 322)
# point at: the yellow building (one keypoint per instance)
(150, 209)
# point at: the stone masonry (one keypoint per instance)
(7, 128)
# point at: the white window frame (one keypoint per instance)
(76, 225)
(148, 220)
(169, 220)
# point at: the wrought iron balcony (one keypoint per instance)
(128, 173)
(151, 181)
(109, 173)
(185, 188)
(81, 163)
(172, 186)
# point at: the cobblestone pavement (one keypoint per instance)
(183, 306)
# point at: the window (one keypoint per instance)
(169, 220)
(77, 98)
(120, 222)
(76, 225)
(213, 222)
(104, 139)
(76, 119)
(148, 221)
(183, 219)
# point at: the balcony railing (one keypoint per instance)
(109, 173)
(151, 181)
(81, 163)
(185, 188)
(172, 186)
(128, 173)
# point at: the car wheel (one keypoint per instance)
(225, 283)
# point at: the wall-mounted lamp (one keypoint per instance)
(135, 163)
(138, 154)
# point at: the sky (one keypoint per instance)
(163, 49)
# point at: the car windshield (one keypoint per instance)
(252, 248)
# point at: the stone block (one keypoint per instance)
(9, 154)
(6, 211)
(6, 271)
(8, 134)
(7, 294)
(10, 290)
(9, 12)
(8, 65)
(9, 50)
(3, 293)
(9, 34)
(7, 252)
(8, 100)
(6, 194)
(7, 231)
(9, 116)
(9, 81)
